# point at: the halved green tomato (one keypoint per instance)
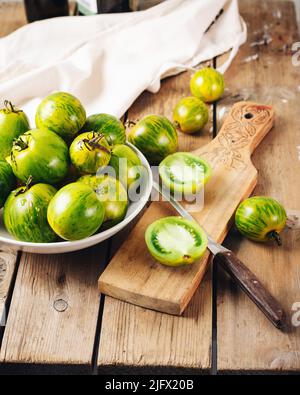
(190, 114)
(113, 196)
(184, 173)
(112, 128)
(176, 241)
(261, 219)
(207, 84)
(90, 152)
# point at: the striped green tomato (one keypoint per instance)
(184, 173)
(207, 84)
(190, 114)
(7, 181)
(176, 241)
(13, 123)
(127, 165)
(25, 214)
(41, 154)
(113, 196)
(61, 113)
(89, 152)
(155, 136)
(75, 212)
(112, 128)
(261, 219)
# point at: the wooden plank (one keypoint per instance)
(12, 17)
(134, 276)
(137, 340)
(8, 261)
(247, 342)
(54, 311)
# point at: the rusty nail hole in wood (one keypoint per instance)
(248, 115)
(60, 305)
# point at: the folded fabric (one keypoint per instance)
(107, 61)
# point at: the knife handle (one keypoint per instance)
(252, 287)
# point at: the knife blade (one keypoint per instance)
(247, 280)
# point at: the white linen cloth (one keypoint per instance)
(107, 61)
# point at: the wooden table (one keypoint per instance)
(58, 324)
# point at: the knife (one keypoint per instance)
(247, 280)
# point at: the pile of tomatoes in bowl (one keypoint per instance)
(54, 180)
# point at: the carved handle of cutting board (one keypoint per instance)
(244, 128)
(252, 287)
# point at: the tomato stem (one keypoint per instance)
(9, 106)
(275, 236)
(129, 123)
(94, 142)
(26, 187)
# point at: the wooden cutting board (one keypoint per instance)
(134, 276)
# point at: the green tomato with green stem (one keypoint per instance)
(90, 152)
(13, 123)
(113, 196)
(75, 212)
(261, 219)
(111, 127)
(176, 241)
(191, 115)
(207, 84)
(7, 181)
(25, 214)
(40, 154)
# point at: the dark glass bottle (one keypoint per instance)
(44, 9)
(90, 7)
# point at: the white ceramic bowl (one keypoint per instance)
(6, 240)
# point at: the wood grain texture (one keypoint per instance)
(8, 262)
(134, 276)
(12, 17)
(53, 315)
(247, 342)
(137, 340)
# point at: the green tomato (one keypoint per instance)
(184, 173)
(90, 152)
(190, 114)
(25, 214)
(113, 196)
(7, 182)
(208, 85)
(75, 212)
(13, 123)
(127, 165)
(175, 241)
(40, 154)
(113, 129)
(261, 219)
(61, 113)
(155, 136)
